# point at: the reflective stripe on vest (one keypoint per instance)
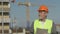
(47, 25)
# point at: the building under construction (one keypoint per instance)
(4, 16)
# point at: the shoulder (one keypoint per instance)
(34, 21)
(50, 21)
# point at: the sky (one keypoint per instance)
(20, 11)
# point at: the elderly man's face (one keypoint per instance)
(42, 15)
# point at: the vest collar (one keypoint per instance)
(40, 19)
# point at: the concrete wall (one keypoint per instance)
(21, 32)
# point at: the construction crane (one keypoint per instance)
(15, 21)
(27, 4)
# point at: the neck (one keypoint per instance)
(42, 20)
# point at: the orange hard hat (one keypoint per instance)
(43, 8)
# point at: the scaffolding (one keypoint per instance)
(4, 16)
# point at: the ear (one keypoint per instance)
(46, 13)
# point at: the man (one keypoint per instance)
(43, 22)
